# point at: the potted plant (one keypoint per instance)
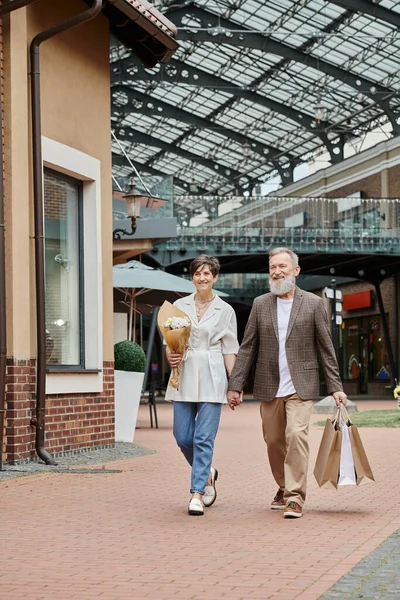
(129, 364)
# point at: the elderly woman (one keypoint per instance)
(210, 355)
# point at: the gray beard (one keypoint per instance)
(282, 287)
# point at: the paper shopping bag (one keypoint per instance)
(363, 470)
(326, 470)
(347, 473)
(362, 467)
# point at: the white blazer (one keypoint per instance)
(202, 373)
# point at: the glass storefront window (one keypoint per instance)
(64, 270)
(364, 353)
(378, 357)
(350, 349)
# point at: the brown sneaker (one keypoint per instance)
(278, 502)
(293, 510)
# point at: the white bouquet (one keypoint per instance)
(176, 322)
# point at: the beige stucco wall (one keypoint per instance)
(75, 93)
(17, 190)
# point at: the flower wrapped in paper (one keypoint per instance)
(175, 326)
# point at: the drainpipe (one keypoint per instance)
(4, 9)
(39, 420)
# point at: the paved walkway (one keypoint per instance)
(125, 534)
(376, 577)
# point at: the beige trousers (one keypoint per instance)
(285, 424)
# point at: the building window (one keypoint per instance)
(64, 271)
(357, 222)
(83, 173)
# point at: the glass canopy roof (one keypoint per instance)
(256, 89)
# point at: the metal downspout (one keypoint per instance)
(4, 9)
(39, 422)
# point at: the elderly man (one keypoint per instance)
(287, 332)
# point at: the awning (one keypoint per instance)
(141, 278)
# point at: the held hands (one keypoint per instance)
(234, 398)
(340, 398)
(174, 359)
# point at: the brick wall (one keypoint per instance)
(55, 198)
(394, 182)
(387, 289)
(20, 390)
(73, 421)
(371, 185)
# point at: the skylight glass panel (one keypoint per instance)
(354, 42)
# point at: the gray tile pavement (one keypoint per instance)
(70, 461)
(376, 577)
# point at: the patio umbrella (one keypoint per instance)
(139, 288)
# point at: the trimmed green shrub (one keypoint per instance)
(129, 356)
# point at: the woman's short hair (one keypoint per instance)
(212, 263)
(292, 254)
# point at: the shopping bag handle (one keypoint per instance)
(335, 418)
(344, 414)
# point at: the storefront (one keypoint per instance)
(363, 354)
(364, 358)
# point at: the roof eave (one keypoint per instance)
(138, 25)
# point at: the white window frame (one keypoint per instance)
(86, 168)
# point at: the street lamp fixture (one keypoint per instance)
(246, 149)
(320, 112)
(193, 187)
(134, 200)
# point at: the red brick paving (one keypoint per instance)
(127, 536)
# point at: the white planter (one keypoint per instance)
(128, 388)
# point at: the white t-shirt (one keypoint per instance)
(285, 381)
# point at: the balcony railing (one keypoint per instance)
(304, 224)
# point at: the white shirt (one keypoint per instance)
(285, 381)
(203, 375)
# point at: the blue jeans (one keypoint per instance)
(195, 427)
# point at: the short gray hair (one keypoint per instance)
(212, 263)
(292, 254)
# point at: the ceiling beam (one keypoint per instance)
(148, 105)
(370, 8)
(197, 77)
(133, 136)
(180, 73)
(214, 28)
(120, 161)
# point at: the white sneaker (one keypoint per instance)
(210, 492)
(195, 507)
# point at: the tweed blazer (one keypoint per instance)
(308, 343)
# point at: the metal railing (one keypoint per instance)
(256, 224)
